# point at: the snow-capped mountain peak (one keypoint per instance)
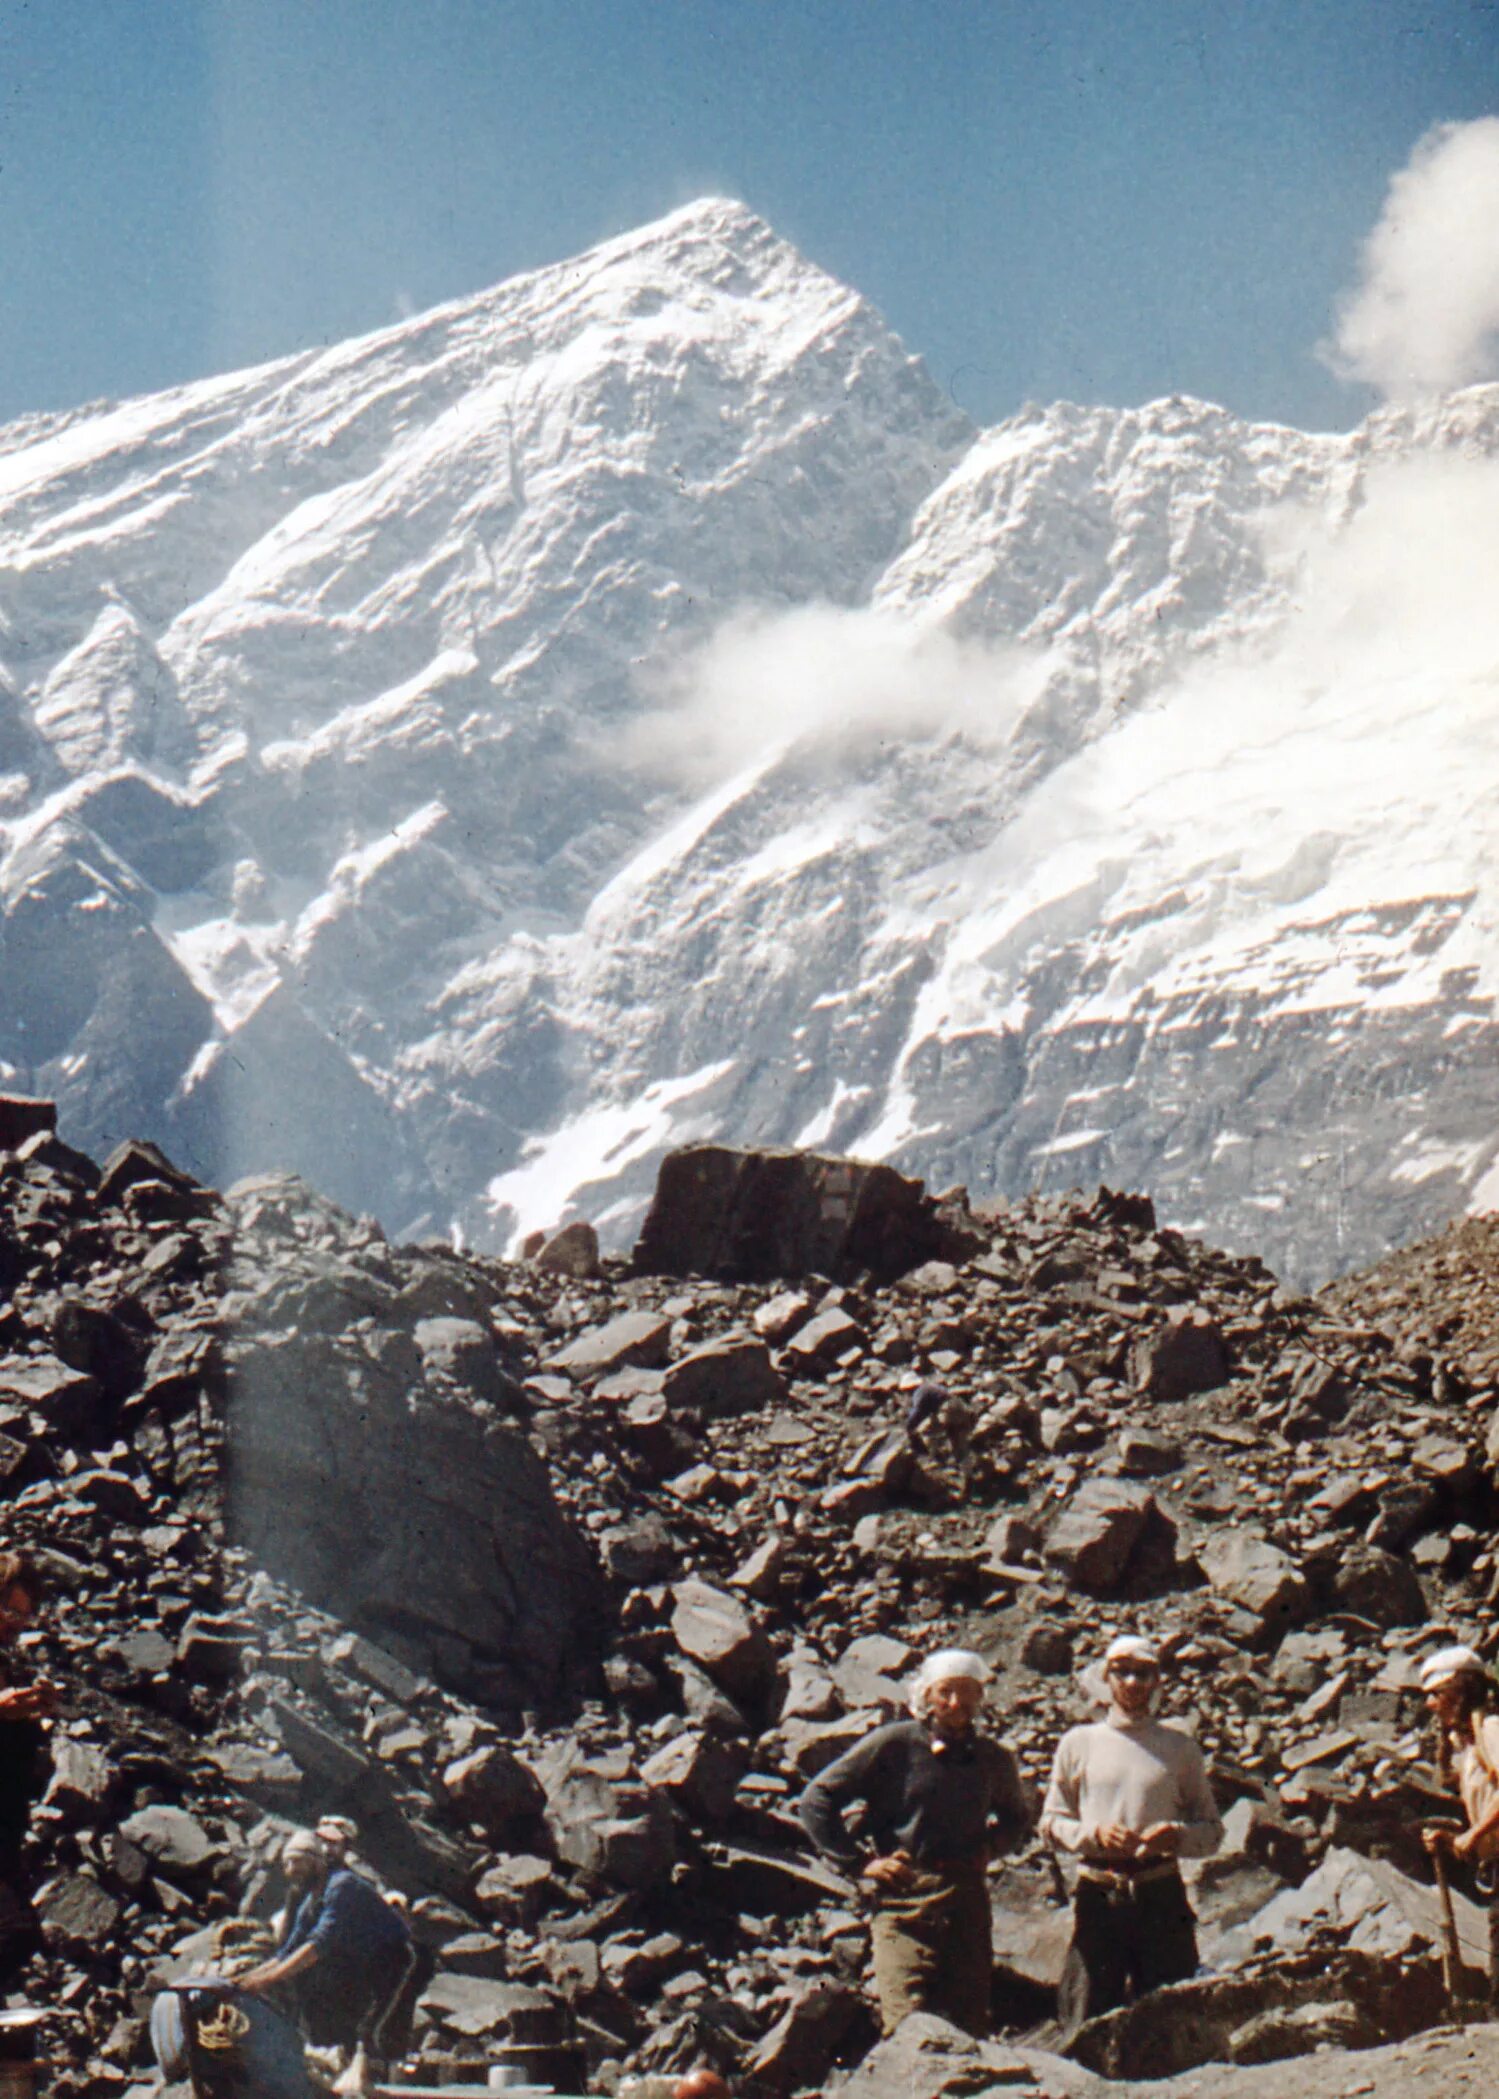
(632, 702)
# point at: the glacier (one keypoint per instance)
(635, 704)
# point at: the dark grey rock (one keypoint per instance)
(642, 1550)
(77, 1913)
(826, 2024)
(714, 1630)
(732, 1374)
(493, 1788)
(21, 1117)
(756, 1215)
(700, 1772)
(1257, 1576)
(639, 1340)
(82, 1778)
(1380, 1586)
(1098, 1535)
(1187, 1355)
(175, 1841)
(444, 1524)
(825, 1337)
(573, 1251)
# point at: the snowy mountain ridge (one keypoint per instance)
(634, 704)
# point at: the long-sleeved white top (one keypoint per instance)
(1135, 1773)
(1478, 1779)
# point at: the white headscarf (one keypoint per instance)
(1449, 1662)
(941, 1668)
(1131, 1647)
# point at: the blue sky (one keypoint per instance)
(1104, 199)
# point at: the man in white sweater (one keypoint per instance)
(1130, 1797)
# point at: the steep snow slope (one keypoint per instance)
(1216, 916)
(634, 703)
(343, 639)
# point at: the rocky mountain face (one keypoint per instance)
(634, 705)
(562, 1576)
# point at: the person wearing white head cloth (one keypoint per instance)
(1129, 1796)
(1462, 1698)
(940, 1799)
(344, 1957)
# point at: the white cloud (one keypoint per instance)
(1424, 315)
(1404, 588)
(827, 677)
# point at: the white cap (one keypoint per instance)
(943, 1666)
(1448, 1662)
(1130, 1647)
(303, 1844)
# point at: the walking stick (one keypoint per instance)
(1451, 1955)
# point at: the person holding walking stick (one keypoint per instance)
(1464, 1701)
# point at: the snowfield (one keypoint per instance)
(634, 705)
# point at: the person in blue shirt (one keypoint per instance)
(346, 1950)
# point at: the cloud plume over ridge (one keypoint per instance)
(1424, 316)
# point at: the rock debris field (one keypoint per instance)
(562, 1576)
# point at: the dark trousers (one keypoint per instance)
(338, 2006)
(934, 1950)
(1127, 1938)
(20, 1931)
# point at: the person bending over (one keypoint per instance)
(345, 1950)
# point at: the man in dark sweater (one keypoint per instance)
(940, 1801)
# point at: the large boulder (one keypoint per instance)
(926, 2058)
(1371, 1906)
(606, 1822)
(746, 1216)
(630, 1340)
(826, 2023)
(1350, 1998)
(401, 1510)
(21, 1117)
(1379, 1585)
(731, 1374)
(1259, 1577)
(715, 1631)
(700, 1772)
(494, 1789)
(1110, 1531)
(1187, 1355)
